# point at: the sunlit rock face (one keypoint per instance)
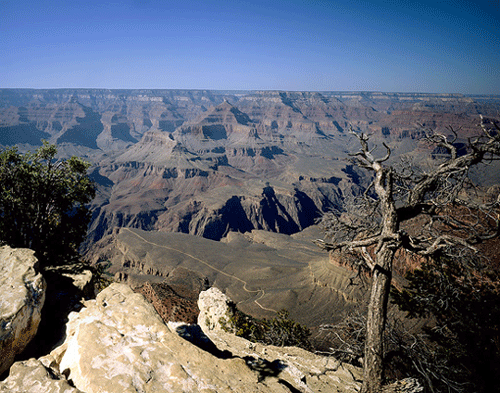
(22, 290)
(118, 343)
(36, 376)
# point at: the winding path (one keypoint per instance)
(211, 267)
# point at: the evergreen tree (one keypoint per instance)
(43, 203)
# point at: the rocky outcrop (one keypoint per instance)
(118, 343)
(215, 307)
(34, 376)
(23, 295)
(304, 370)
(67, 285)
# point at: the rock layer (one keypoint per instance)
(198, 161)
(22, 290)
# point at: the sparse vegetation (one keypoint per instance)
(280, 331)
(464, 304)
(408, 351)
(101, 277)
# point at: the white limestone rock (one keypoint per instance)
(34, 377)
(214, 307)
(118, 343)
(22, 290)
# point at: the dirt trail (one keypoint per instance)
(211, 267)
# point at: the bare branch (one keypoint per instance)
(349, 245)
(455, 136)
(368, 259)
(387, 156)
(439, 211)
(444, 241)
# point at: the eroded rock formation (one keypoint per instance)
(198, 161)
(22, 289)
(36, 376)
(118, 343)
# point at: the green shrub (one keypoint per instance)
(101, 277)
(43, 203)
(280, 331)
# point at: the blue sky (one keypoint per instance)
(401, 46)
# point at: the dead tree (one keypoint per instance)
(452, 216)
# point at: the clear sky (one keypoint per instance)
(400, 46)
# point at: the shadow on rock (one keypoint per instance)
(195, 336)
(264, 368)
(66, 287)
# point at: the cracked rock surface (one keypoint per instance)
(22, 290)
(118, 343)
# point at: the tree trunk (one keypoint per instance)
(375, 323)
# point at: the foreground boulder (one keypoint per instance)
(118, 343)
(34, 376)
(22, 290)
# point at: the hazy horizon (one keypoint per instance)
(371, 46)
(252, 90)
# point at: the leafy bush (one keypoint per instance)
(43, 203)
(280, 331)
(101, 277)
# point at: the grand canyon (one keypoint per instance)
(231, 184)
